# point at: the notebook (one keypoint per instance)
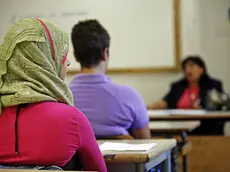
(113, 146)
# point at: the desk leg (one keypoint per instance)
(122, 167)
(140, 167)
(174, 155)
(166, 164)
(184, 141)
(174, 159)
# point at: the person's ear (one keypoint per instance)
(105, 54)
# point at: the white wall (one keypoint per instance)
(215, 38)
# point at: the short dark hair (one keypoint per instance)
(89, 39)
(195, 59)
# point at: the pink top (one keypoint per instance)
(49, 133)
(189, 96)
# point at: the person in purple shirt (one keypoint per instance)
(112, 109)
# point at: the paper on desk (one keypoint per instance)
(113, 146)
(176, 112)
(158, 112)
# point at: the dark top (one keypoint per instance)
(207, 127)
(178, 88)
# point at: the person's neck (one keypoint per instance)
(193, 84)
(96, 70)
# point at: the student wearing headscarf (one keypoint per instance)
(191, 93)
(38, 124)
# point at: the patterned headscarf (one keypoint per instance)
(31, 59)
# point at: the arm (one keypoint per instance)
(89, 152)
(140, 129)
(162, 104)
(142, 133)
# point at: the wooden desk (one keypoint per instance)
(209, 154)
(206, 150)
(175, 127)
(140, 161)
(221, 116)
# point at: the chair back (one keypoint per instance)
(119, 137)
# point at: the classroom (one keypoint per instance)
(105, 85)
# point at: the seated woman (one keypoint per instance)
(191, 92)
(38, 124)
(112, 109)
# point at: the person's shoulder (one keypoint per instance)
(56, 108)
(74, 81)
(179, 82)
(127, 90)
(70, 112)
(127, 93)
(215, 81)
(59, 112)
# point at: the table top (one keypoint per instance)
(173, 126)
(212, 115)
(163, 146)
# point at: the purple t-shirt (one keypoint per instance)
(112, 109)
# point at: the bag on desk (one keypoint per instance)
(217, 101)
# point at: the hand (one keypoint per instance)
(149, 106)
(196, 104)
(162, 104)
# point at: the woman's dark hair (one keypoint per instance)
(194, 59)
(198, 61)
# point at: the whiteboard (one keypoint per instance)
(142, 31)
